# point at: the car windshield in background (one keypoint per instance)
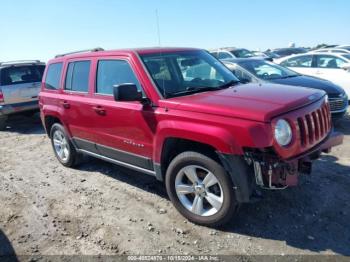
(187, 72)
(242, 53)
(266, 70)
(14, 75)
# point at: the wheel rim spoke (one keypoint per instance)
(210, 180)
(197, 206)
(184, 189)
(60, 145)
(191, 174)
(214, 200)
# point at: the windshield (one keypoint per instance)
(266, 70)
(242, 53)
(187, 72)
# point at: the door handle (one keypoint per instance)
(99, 110)
(65, 104)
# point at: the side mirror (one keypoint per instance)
(126, 92)
(346, 66)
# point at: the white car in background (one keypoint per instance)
(332, 50)
(334, 67)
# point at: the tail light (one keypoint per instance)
(1, 97)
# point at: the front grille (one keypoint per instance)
(314, 126)
(337, 104)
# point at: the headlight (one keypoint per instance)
(283, 132)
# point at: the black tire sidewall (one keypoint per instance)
(193, 158)
(72, 152)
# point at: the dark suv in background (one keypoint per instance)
(20, 83)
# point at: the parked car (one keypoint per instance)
(233, 52)
(180, 115)
(20, 83)
(282, 52)
(262, 71)
(334, 67)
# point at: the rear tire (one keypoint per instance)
(200, 189)
(62, 146)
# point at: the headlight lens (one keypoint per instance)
(283, 132)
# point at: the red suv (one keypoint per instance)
(180, 115)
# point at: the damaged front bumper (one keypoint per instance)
(271, 172)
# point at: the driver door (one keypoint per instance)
(124, 131)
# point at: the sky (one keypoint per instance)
(40, 29)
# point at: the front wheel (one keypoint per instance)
(200, 189)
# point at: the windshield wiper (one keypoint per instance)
(229, 84)
(288, 76)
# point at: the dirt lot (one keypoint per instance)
(100, 208)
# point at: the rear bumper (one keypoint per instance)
(18, 107)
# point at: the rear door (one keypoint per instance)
(75, 99)
(21, 83)
(302, 64)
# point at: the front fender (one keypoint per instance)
(217, 137)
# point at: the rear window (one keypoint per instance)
(15, 75)
(53, 76)
(77, 78)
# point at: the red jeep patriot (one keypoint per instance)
(180, 115)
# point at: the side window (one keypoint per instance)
(224, 55)
(77, 78)
(53, 76)
(328, 61)
(300, 61)
(242, 76)
(114, 72)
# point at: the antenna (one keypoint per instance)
(158, 31)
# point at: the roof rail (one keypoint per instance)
(81, 51)
(20, 62)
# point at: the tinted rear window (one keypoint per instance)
(77, 78)
(21, 74)
(53, 76)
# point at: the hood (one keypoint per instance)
(258, 102)
(307, 81)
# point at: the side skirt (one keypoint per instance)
(117, 162)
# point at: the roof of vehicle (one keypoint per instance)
(102, 52)
(331, 49)
(312, 53)
(21, 62)
(226, 49)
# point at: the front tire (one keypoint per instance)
(200, 189)
(62, 146)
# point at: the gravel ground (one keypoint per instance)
(100, 208)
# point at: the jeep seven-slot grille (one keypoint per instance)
(315, 126)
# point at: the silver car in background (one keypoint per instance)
(20, 83)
